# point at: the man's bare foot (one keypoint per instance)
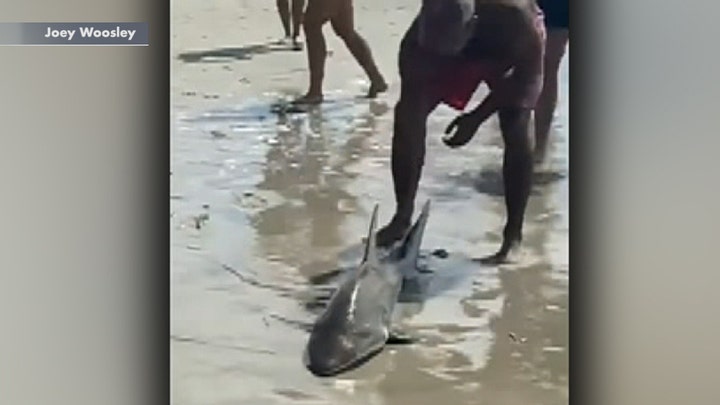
(377, 88)
(391, 233)
(508, 253)
(282, 41)
(309, 99)
(540, 153)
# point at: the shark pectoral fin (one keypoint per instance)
(397, 338)
(370, 245)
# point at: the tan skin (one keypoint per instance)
(520, 44)
(291, 15)
(340, 14)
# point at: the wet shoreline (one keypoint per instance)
(283, 198)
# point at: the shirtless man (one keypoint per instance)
(292, 12)
(450, 48)
(557, 23)
(340, 13)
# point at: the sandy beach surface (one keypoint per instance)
(262, 202)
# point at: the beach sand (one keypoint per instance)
(261, 202)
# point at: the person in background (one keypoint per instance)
(291, 14)
(340, 13)
(557, 28)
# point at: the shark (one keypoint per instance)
(356, 325)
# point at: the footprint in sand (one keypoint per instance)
(257, 200)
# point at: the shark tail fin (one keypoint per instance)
(370, 246)
(413, 239)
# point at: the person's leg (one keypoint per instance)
(557, 24)
(298, 9)
(343, 24)
(283, 8)
(554, 51)
(517, 176)
(316, 15)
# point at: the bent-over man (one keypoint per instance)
(450, 48)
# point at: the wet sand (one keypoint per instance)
(262, 202)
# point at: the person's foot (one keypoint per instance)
(508, 253)
(283, 41)
(308, 99)
(377, 87)
(538, 158)
(297, 45)
(391, 233)
(539, 153)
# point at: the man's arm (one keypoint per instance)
(521, 88)
(416, 102)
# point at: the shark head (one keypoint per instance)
(356, 322)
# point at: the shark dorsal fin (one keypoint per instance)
(410, 248)
(370, 245)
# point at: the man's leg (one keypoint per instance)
(316, 15)
(555, 45)
(517, 176)
(343, 24)
(298, 9)
(283, 8)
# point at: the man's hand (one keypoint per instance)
(465, 127)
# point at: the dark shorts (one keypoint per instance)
(557, 14)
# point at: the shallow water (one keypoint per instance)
(261, 203)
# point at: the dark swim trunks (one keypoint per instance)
(557, 14)
(459, 82)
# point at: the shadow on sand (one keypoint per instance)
(490, 181)
(236, 53)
